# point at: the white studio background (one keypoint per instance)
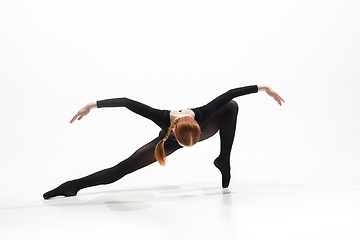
(56, 56)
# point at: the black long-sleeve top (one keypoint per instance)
(162, 117)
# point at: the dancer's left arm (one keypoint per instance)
(202, 114)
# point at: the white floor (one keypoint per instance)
(279, 194)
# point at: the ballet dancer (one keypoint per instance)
(178, 129)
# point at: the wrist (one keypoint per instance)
(92, 105)
(263, 88)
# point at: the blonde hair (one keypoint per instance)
(187, 132)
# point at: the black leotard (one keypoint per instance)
(162, 117)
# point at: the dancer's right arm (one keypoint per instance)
(159, 117)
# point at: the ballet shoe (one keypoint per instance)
(224, 166)
(65, 189)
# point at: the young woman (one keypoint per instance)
(178, 129)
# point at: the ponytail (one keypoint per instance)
(159, 150)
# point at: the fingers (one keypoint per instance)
(276, 96)
(278, 99)
(75, 117)
(80, 114)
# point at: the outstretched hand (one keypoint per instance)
(84, 111)
(81, 113)
(274, 95)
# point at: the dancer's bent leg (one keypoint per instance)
(225, 121)
(141, 158)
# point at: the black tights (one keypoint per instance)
(223, 120)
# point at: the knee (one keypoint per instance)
(233, 106)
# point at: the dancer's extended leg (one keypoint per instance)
(225, 121)
(141, 158)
